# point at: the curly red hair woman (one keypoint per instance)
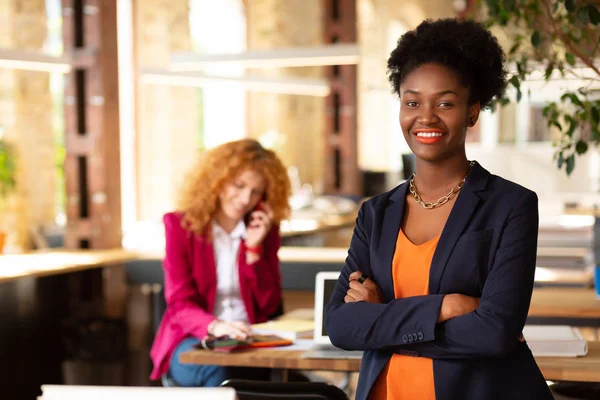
(221, 266)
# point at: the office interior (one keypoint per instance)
(107, 103)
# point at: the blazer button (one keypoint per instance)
(405, 338)
(420, 335)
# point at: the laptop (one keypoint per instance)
(322, 348)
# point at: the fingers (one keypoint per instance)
(356, 295)
(355, 275)
(521, 338)
(237, 331)
(267, 209)
(260, 218)
(244, 327)
(349, 299)
(360, 287)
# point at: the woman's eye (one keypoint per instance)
(445, 104)
(411, 103)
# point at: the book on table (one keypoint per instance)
(292, 329)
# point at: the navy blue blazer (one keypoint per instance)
(487, 249)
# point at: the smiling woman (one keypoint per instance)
(450, 254)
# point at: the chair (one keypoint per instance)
(575, 390)
(158, 307)
(255, 390)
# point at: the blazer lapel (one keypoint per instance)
(459, 218)
(392, 221)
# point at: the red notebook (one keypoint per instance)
(226, 344)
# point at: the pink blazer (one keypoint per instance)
(191, 283)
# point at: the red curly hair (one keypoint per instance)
(217, 167)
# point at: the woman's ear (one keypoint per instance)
(474, 110)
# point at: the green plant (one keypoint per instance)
(7, 170)
(561, 39)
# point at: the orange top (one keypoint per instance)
(406, 377)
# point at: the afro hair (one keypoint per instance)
(463, 46)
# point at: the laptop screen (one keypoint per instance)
(324, 284)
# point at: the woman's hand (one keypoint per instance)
(367, 291)
(236, 329)
(455, 305)
(259, 225)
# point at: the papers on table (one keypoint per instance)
(66, 392)
(555, 341)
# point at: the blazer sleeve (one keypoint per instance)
(266, 289)
(494, 328)
(181, 294)
(367, 326)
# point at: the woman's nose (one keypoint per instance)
(428, 116)
(246, 196)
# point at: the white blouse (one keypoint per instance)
(229, 305)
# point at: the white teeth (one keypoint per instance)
(429, 134)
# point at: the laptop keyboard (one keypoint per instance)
(331, 352)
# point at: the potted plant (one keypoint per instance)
(562, 39)
(7, 180)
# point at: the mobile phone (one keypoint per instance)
(257, 208)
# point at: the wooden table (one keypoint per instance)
(46, 263)
(565, 302)
(566, 306)
(582, 369)
(548, 303)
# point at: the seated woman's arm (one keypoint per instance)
(180, 292)
(267, 277)
(366, 326)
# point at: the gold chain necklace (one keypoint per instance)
(442, 200)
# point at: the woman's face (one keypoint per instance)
(435, 112)
(242, 194)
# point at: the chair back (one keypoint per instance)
(255, 390)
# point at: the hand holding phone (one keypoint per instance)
(259, 224)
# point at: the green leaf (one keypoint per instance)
(581, 147)
(593, 14)
(560, 160)
(570, 164)
(536, 39)
(596, 115)
(558, 125)
(574, 99)
(509, 5)
(519, 95)
(582, 16)
(493, 7)
(503, 17)
(515, 81)
(549, 70)
(572, 127)
(570, 58)
(514, 48)
(570, 5)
